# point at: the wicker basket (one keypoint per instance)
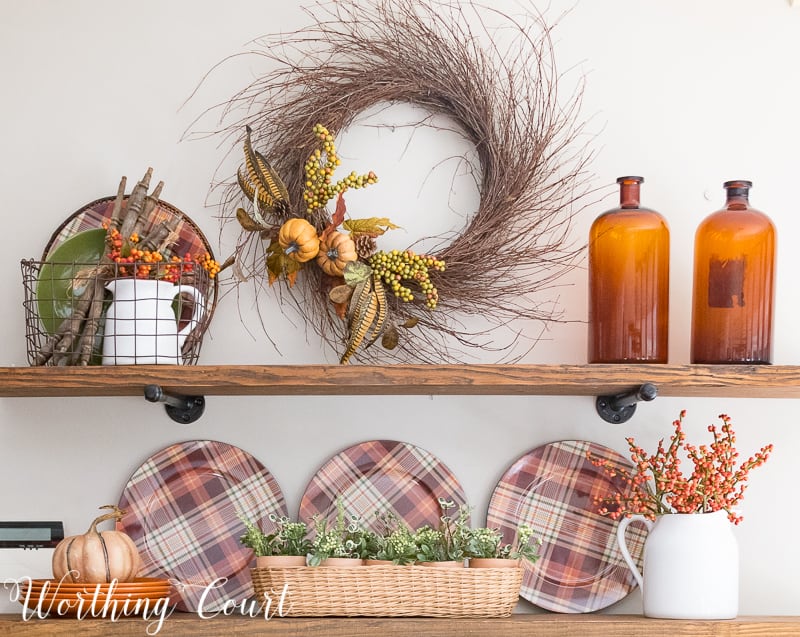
(391, 591)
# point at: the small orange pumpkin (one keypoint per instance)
(299, 240)
(336, 251)
(97, 556)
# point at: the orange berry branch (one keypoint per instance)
(152, 264)
(658, 486)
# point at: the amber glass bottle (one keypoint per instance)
(628, 282)
(734, 283)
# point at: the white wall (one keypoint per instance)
(688, 94)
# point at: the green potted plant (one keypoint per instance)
(394, 545)
(342, 544)
(288, 545)
(486, 549)
(447, 544)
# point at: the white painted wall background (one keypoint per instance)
(688, 94)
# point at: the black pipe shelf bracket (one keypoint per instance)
(621, 407)
(182, 409)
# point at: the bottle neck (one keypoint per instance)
(629, 194)
(737, 195)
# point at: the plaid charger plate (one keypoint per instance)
(554, 489)
(91, 217)
(182, 511)
(382, 476)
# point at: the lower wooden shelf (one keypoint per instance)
(543, 625)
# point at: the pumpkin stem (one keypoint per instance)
(291, 248)
(115, 514)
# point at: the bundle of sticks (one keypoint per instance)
(73, 342)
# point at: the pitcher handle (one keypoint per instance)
(198, 309)
(623, 545)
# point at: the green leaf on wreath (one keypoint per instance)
(355, 272)
(290, 269)
(390, 337)
(278, 263)
(274, 261)
(373, 226)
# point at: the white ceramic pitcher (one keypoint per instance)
(141, 327)
(691, 566)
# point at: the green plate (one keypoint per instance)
(55, 290)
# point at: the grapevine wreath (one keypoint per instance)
(494, 76)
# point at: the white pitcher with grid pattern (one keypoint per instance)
(142, 324)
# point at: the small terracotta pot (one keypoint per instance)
(492, 562)
(452, 564)
(378, 563)
(342, 562)
(280, 561)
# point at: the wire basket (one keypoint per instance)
(390, 591)
(80, 313)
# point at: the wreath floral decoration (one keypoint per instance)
(498, 84)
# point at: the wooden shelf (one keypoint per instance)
(757, 381)
(549, 625)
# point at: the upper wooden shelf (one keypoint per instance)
(758, 381)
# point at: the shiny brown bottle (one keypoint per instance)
(734, 283)
(629, 282)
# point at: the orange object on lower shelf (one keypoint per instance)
(67, 599)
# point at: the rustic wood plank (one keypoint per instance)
(543, 625)
(758, 381)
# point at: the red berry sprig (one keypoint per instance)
(658, 485)
(150, 264)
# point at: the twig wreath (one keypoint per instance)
(445, 58)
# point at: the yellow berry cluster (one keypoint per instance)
(319, 168)
(396, 266)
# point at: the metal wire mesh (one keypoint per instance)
(86, 314)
